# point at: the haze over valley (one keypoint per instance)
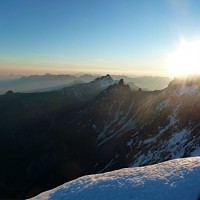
(100, 100)
(50, 82)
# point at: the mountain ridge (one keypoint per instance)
(50, 82)
(93, 128)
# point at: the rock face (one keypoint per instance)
(121, 82)
(35, 138)
(112, 128)
(142, 128)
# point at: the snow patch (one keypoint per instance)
(175, 179)
(172, 122)
(105, 82)
(162, 105)
(185, 89)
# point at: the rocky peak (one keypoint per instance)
(104, 78)
(123, 86)
(121, 82)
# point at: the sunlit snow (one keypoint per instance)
(176, 179)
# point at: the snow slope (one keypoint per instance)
(175, 179)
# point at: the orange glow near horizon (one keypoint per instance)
(40, 71)
(29, 66)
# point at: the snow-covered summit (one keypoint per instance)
(176, 179)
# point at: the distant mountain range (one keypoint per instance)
(49, 82)
(49, 138)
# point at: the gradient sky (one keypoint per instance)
(114, 36)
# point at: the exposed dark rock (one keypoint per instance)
(121, 82)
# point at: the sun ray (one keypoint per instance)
(185, 60)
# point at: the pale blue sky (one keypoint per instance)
(130, 36)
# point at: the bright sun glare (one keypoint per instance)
(185, 60)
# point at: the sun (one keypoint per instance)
(185, 60)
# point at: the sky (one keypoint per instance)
(93, 36)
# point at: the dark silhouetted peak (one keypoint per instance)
(122, 85)
(10, 92)
(107, 78)
(119, 89)
(121, 82)
(139, 90)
